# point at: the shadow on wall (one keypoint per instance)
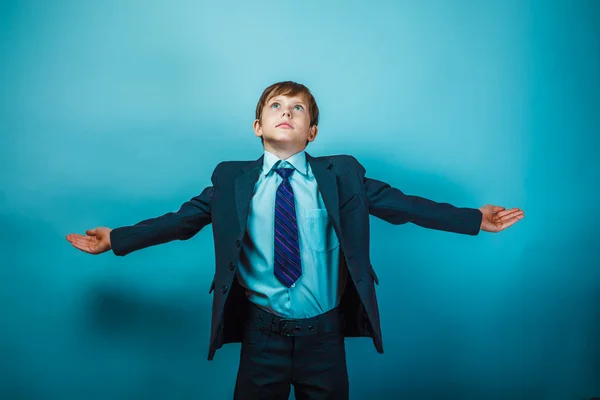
(147, 321)
(150, 346)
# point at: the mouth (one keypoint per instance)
(285, 125)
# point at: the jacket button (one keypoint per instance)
(237, 242)
(224, 288)
(231, 266)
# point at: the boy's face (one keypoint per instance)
(285, 123)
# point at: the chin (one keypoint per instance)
(285, 142)
(283, 139)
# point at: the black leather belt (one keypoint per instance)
(331, 321)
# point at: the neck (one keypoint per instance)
(282, 153)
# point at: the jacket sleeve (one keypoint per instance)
(192, 216)
(392, 205)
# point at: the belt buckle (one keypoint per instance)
(283, 324)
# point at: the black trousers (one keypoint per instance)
(309, 354)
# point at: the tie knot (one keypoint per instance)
(285, 172)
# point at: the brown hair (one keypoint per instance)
(289, 88)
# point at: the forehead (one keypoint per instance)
(298, 98)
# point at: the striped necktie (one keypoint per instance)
(288, 267)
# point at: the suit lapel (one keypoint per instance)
(322, 169)
(244, 188)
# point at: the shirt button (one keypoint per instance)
(231, 266)
(237, 242)
(224, 288)
(293, 285)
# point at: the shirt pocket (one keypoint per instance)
(319, 234)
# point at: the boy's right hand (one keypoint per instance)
(97, 240)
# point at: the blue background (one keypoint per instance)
(117, 111)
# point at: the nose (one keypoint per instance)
(286, 112)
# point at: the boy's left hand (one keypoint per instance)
(496, 218)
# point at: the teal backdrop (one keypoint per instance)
(117, 111)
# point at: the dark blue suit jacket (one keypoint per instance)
(349, 196)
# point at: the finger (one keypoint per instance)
(72, 236)
(510, 222)
(509, 215)
(91, 232)
(80, 244)
(81, 247)
(507, 220)
(507, 212)
(497, 209)
(80, 238)
(83, 244)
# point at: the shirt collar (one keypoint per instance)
(298, 161)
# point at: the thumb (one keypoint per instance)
(91, 232)
(497, 209)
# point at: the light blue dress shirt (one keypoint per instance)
(320, 287)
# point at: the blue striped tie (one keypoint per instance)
(288, 267)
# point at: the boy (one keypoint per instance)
(293, 276)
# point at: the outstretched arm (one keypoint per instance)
(392, 205)
(192, 216)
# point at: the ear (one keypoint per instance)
(257, 128)
(312, 133)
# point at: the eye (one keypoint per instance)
(275, 105)
(298, 107)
